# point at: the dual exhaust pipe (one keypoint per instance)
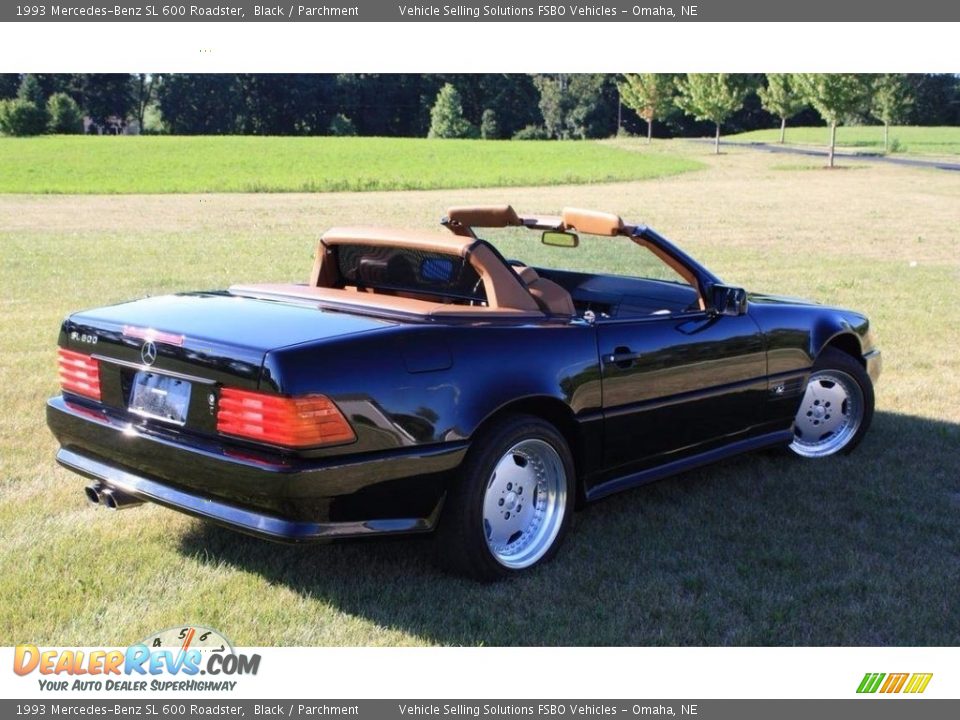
(110, 498)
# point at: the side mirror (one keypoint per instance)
(556, 238)
(728, 300)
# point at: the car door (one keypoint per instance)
(674, 384)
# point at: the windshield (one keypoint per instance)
(608, 255)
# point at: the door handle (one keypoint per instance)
(622, 357)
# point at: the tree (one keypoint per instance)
(19, 117)
(31, 91)
(342, 126)
(578, 106)
(891, 99)
(105, 96)
(936, 99)
(511, 96)
(781, 98)
(64, 115)
(489, 128)
(9, 83)
(53, 83)
(711, 96)
(143, 87)
(650, 95)
(532, 132)
(446, 117)
(194, 104)
(834, 96)
(26, 114)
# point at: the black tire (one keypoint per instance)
(833, 360)
(461, 540)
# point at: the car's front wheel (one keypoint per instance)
(836, 409)
(512, 504)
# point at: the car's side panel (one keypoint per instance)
(683, 381)
(432, 383)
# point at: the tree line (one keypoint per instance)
(495, 106)
(715, 97)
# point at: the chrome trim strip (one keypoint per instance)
(153, 369)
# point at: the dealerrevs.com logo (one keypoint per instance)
(889, 683)
(172, 660)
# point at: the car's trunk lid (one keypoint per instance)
(205, 339)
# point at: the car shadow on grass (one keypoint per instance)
(763, 549)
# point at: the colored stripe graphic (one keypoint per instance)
(894, 683)
(870, 682)
(918, 682)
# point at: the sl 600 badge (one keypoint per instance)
(84, 338)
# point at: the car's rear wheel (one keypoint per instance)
(512, 504)
(836, 409)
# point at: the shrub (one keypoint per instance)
(446, 117)
(532, 132)
(65, 117)
(20, 117)
(342, 126)
(489, 127)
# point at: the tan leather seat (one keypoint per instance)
(551, 297)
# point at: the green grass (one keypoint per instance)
(73, 164)
(910, 140)
(758, 550)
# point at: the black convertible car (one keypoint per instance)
(420, 381)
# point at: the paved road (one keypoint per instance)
(788, 150)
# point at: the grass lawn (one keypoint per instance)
(78, 164)
(912, 140)
(759, 550)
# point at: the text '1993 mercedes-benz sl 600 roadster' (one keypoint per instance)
(420, 381)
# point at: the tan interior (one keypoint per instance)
(592, 222)
(490, 216)
(589, 222)
(509, 294)
(552, 298)
(349, 297)
(503, 288)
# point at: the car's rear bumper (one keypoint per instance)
(874, 363)
(396, 491)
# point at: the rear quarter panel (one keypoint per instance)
(426, 383)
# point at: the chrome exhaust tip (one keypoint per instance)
(94, 493)
(113, 499)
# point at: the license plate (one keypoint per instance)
(160, 397)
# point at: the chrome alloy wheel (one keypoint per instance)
(829, 415)
(524, 503)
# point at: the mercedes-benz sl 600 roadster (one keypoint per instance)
(420, 381)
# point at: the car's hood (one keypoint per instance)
(803, 305)
(765, 299)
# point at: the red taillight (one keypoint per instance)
(79, 373)
(295, 422)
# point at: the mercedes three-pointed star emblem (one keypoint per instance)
(148, 353)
